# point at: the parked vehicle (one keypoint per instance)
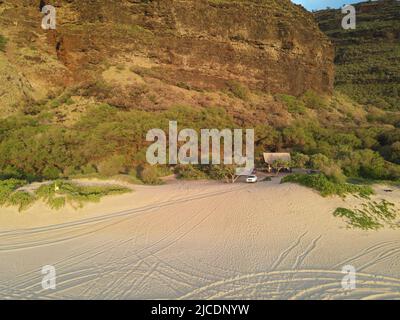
(252, 179)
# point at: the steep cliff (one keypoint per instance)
(268, 46)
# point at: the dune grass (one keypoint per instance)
(372, 215)
(326, 187)
(59, 193)
(9, 196)
(56, 194)
(21, 199)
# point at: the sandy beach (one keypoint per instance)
(199, 240)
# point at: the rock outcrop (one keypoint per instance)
(269, 46)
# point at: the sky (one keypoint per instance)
(322, 4)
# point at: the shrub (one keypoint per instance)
(395, 152)
(10, 172)
(7, 187)
(394, 172)
(163, 171)
(334, 173)
(10, 197)
(314, 101)
(71, 171)
(319, 161)
(189, 172)
(298, 137)
(56, 203)
(88, 169)
(222, 172)
(300, 160)
(112, 166)
(23, 200)
(328, 167)
(100, 89)
(293, 104)
(238, 90)
(149, 175)
(51, 173)
(367, 164)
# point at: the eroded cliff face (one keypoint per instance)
(269, 46)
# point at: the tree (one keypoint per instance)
(299, 160)
(319, 161)
(223, 172)
(279, 165)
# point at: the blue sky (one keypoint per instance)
(322, 4)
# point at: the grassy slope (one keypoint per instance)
(367, 58)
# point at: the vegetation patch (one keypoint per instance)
(221, 172)
(9, 196)
(189, 172)
(372, 215)
(238, 90)
(326, 187)
(367, 65)
(152, 175)
(108, 141)
(21, 199)
(293, 104)
(58, 193)
(314, 101)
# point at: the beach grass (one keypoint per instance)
(58, 193)
(9, 196)
(327, 187)
(55, 194)
(372, 215)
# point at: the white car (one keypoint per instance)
(252, 179)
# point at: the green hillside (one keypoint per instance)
(367, 58)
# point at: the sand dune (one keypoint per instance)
(198, 240)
